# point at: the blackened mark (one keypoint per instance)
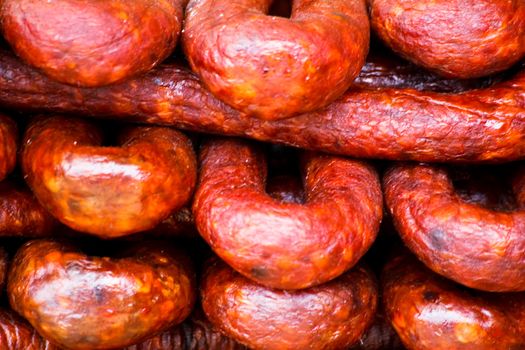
(259, 272)
(431, 296)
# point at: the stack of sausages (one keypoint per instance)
(258, 174)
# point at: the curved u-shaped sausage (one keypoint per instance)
(473, 245)
(330, 316)
(274, 67)
(456, 38)
(87, 302)
(92, 43)
(432, 313)
(485, 125)
(286, 245)
(107, 191)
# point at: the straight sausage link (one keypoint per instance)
(486, 125)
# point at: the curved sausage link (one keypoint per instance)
(8, 145)
(92, 43)
(107, 191)
(431, 313)
(330, 316)
(88, 302)
(485, 125)
(473, 245)
(21, 214)
(275, 67)
(286, 245)
(456, 38)
(17, 334)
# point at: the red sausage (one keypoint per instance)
(485, 125)
(274, 67)
(330, 316)
(456, 38)
(88, 302)
(431, 313)
(92, 43)
(286, 245)
(107, 191)
(467, 242)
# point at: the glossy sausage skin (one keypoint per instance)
(88, 302)
(485, 125)
(107, 191)
(92, 43)
(8, 145)
(274, 67)
(285, 245)
(432, 313)
(456, 38)
(471, 244)
(17, 334)
(330, 316)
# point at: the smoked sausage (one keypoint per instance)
(485, 125)
(330, 316)
(92, 43)
(477, 246)
(87, 302)
(107, 191)
(456, 38)
(274, 67)
(278, 244)
(432, 313)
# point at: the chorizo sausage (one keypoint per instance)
(17, 334)
(432, 313)
(456, 38)
(87, 302)
(21, 214)
(286, 245)
(8, 145)
(330, 316)
(485, 125)
(92, 43)
(274, 67)
(471, 244)
(107, 191)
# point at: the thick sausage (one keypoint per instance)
(474, 245)
(21, 214)
(17, 334)
(456, 38)
(8, 145)
(278, 244)
(274, 67)
(432, 313)
(330, 316)
(484, 125)
(107, 191)
(88, 302)
(92, 43)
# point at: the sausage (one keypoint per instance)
(21, 214)
(474, 245)
(286, 245)
(87, 302)
(8, 145)
(274, 67)
(432, 313)
(483, 125)
(330, 316)
(107, 191)
(195, 333)
(456, 38)
(92, 43)
(17, 334)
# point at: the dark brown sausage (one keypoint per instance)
(88, 302)
(286, 245)
(107, 191)
(456, 38)
(8, 145)
(473, 245)
(330, 316)
(21, 214)
(274, 67)
(484, 125)
(92, 43)
(17, 334)
(432, 313)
